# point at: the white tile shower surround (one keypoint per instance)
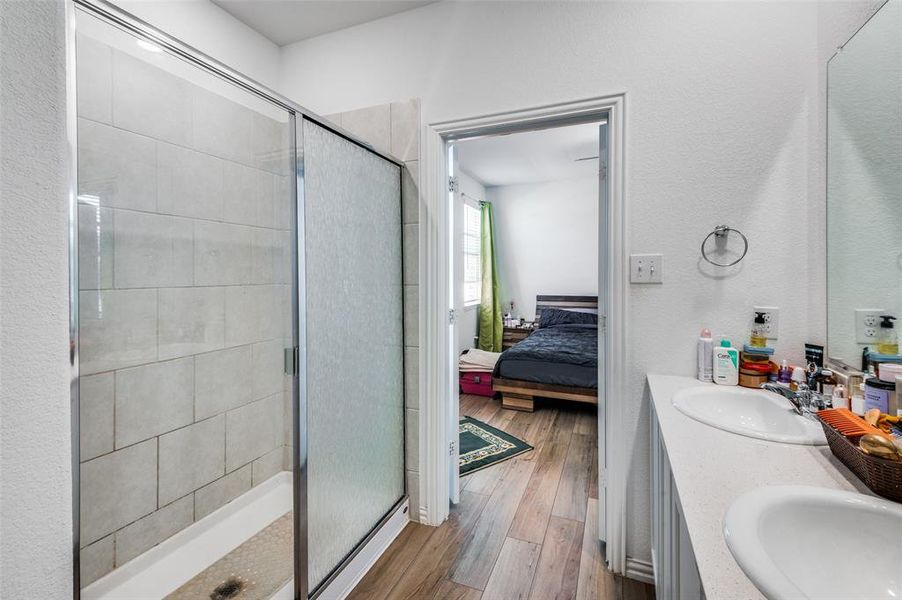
(164, 568)
(184, 304)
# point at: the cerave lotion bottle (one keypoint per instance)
(726, 364)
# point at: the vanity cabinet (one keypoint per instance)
(676, 572)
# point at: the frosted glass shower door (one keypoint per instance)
(354, 354)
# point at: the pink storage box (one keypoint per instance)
(477, 382)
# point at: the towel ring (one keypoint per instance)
(719, 232)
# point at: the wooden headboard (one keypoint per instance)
(580, 303)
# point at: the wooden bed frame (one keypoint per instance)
(517, 394)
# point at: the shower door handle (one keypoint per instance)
(291, 361)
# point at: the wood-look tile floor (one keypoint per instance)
(522, 528)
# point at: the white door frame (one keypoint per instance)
(436, 434)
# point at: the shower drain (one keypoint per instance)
(230, 588)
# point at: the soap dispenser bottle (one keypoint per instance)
(726, 364)
(758, 337)
(887, 342)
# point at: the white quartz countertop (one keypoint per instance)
(711, 468)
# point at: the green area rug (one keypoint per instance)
(482, 445)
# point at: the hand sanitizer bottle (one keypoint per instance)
(726, 364)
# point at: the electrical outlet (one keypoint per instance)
(646, 268)
(867, 323)
(771, 320)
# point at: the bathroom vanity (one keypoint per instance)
(698, 471)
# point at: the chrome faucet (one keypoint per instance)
(803, 400)
(811, 400)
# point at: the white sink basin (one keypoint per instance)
(807, 542)
(753, 413)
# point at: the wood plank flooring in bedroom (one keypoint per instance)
(520, 530)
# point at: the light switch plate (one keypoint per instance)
(646, 268)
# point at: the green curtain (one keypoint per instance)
(491, 320)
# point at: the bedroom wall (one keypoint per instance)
(724, 124)
(35, 428)
(546, 240)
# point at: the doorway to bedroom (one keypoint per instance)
(439, 407)
(526, 216)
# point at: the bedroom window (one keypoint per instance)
(472, 260)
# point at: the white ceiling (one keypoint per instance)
(289, 21)
(531, 156)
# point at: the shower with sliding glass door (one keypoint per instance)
(239, 331)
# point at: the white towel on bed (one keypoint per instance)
(478, 360)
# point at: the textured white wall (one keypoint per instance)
(35, 439)
(547, 240)
(213, 31)
(724, 124)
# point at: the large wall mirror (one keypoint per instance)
(864, 190)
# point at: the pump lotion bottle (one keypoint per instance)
(726, 364)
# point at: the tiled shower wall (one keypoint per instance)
(395, 128)
(184, 282)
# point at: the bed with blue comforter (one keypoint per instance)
(556, 354)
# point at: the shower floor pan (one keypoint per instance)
(189, 554)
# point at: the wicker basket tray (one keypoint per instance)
(882, 476)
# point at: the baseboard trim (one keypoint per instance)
(640, 570)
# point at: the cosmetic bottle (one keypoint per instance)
(888, 373)
(774, 373)
(887, 342)
(879, 394)
(726, 364)
(826, 382)
(705, 356)
(785, 374)
(758, 337)
(840, 400)
(856, 402)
